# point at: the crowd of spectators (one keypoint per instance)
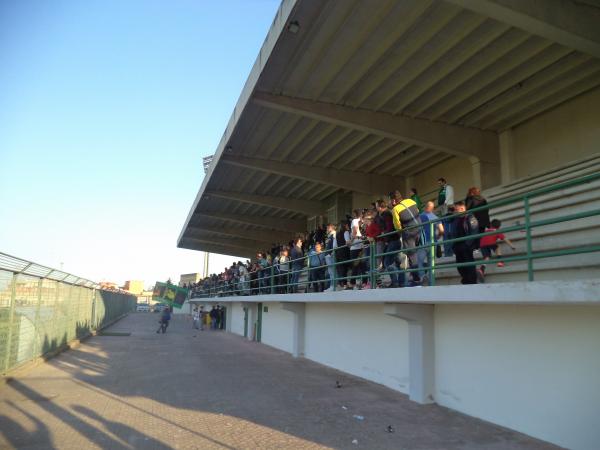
(404, 233)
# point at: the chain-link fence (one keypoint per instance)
(43, 309)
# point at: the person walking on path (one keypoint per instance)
(196, 318)
(165, 317)
(213, 318)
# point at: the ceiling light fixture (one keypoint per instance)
(293, 26)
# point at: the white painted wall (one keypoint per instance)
(457, 171)
(359, 339)
(534, 369)
(277, 326)
(559, 136)
(237, 317)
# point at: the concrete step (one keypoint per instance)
(571, 267)
(567, 201)
(577, 169)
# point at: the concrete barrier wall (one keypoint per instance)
(277, 327)
(237, 318)
(359, 339)
(534, 369)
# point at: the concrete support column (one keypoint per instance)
(252, 318)
(421, 356)
(229, 316)
(299, 312)
(507, 156)
(485, 174)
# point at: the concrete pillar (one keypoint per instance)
(252, 317)
(229, 316)
(421, 346)
(298, 327)
(507, 156)
(485, 174)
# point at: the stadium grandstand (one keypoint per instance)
(472, 125)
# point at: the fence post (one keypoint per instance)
(272, 279)
(36, 321)
(432, 249)
(334, 281)
(528, 237)
(11, 319)
(372, 263)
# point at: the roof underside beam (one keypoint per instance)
(453, 139)
(246, 244)
(574, 24)
(306, 207)
(258, 235)
(273, 223)
(344, 179)
(215, 248)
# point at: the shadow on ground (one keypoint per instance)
(192, 389)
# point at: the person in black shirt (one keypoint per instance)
(462, 226)
(475, 200)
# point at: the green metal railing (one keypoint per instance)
(267, 281)
(43, 309)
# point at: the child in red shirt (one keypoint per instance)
(489, 244)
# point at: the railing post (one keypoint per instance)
(372, 263)
(432, 249)
(334, 281)
(528, 237)
(272, 279)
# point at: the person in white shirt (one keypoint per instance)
(358, 267)
(330, 245)
(196, 318)
(445, 196)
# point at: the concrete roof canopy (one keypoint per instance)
(355, 96)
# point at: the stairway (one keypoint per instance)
(559, 236)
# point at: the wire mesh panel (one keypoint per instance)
(42, 309)
(6, 284)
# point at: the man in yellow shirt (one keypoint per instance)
(405, 214)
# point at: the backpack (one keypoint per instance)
(471, 227)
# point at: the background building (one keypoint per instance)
(136, 287)
(188, 278)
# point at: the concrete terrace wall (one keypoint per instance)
(359, 339)
(237, 318)
(535, 369)
(457, 171)
(564, 134)
(531, 368)
(276, 327)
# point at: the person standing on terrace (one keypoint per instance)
(473, 200)
(297, 260)
(330, 245)
(424, 255)
(406, 219)
(463, 226)
(356, 247)
(415, 197)
(282, 264)
(445, 196)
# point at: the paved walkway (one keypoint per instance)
(202, 390)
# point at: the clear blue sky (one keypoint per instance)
(106, 110)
